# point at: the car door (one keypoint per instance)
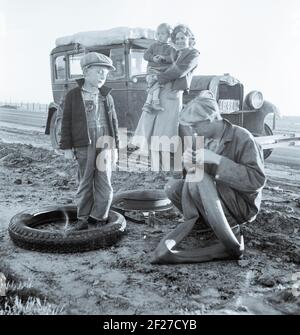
(74, 70)
(59, 75)
(137, 86)
(118, 81)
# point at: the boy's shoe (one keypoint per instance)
(79, 225)
(102, 223)
(97, 223)
(92, 221)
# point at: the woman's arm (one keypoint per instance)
(172, 58)
(180, 68)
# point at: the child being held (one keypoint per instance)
(160, 56)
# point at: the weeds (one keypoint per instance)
(22, 299)
(33, 306)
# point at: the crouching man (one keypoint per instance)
(89, 116)
(228, 195)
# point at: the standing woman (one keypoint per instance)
(175, 80)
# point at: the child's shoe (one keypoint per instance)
(94, 223)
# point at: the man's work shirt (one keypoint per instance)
(240, 175)
(212, 145)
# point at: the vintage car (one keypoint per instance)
(128, 82)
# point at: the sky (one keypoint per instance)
(256, 41)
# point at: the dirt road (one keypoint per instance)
(23, 117)
(121, 280)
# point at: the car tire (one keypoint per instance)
(267, 132)
(24, 231)
(55, 130)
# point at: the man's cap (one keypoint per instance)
(202, 108)
(96, 59)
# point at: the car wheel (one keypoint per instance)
(44, 231)
(267, 132)
(55, 130)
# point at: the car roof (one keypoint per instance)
(143, 43)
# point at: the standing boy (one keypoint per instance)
(89, 115)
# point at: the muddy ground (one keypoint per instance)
(121, 280)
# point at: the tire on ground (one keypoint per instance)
(25, 233)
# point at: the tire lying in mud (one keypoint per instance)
(141, 200)
(30, 230)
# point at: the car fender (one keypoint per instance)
(52, 108)
(270, 108)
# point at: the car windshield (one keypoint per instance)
(60, 68)
(75, 68)
(118, 58)
(138, 66)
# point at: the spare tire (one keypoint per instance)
(30, 230)
(153, 200)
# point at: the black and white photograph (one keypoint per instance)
(149, 160)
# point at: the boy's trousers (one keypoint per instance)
(95, 192)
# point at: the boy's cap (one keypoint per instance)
(96, 59)
(202, 108)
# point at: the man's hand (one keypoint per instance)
(188, 160)
(201, 156)
(69, 154)
(211, 158)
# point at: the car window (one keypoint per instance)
(138, 66)
(118, 57)
(75, 68)
(60, 68)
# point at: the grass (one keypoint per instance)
(22, 299)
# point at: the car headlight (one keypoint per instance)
(254, 100)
